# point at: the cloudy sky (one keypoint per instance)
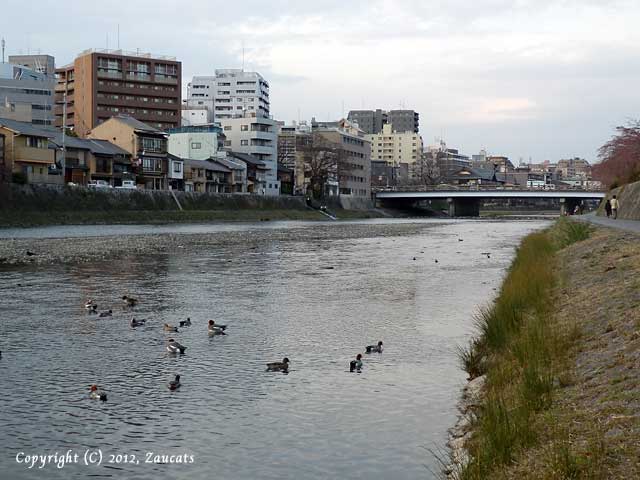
(545, 79)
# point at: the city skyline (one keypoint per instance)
(522, 79)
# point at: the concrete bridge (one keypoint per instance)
(466, 202)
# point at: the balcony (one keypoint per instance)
(166, 79)
(34, 155)
(139, 76)
(110, 74)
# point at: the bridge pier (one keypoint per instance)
(464, 207)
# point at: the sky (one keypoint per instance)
(530, 79)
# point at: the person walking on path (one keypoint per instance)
(614, 207)
(607, 208)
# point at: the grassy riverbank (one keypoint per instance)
(551, 331)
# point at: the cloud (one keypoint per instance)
(540, 78)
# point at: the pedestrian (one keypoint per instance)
(614, 207)
(607, 208)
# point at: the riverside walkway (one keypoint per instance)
(621, 224)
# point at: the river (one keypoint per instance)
(236, 420)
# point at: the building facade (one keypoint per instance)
(146, 145)
(26, 95)
(230, 93)
(28, 155)
(353, 173)
(196, 142)
(372, 121)
(255, 136)
(40, 63)
(396, 148)
(100, 84)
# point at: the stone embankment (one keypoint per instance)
(629, 198)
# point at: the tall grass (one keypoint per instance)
(519, 350)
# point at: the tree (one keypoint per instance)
(324, 161)
(620, 157)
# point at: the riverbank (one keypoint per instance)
(33, 205)
(554, 368)
(39, 251)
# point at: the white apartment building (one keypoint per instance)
(256, 136)
(231, 93)
(395, 148)
(195, 142)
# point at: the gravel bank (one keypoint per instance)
(88, 249)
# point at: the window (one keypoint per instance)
(227, 143)
(244, 128)
(196, 145)
(227, 127)
(35, 142)
(177, 167)
(154, 144)
(244, 143)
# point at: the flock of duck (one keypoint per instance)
(176, 348)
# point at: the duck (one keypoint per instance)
(374, 348)
(90, 305)
(106, 313)
(185, 323)
(356, 365)
(216, 329)
(95, 394)
(461, 240)
(129, 301)
(175, 383)
(175, 347)
(436, 260)
(282, 366)
(137, 323)
(170, 328)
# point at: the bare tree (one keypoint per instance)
(324, 162)
(620, 156)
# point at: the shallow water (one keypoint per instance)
(238, 421)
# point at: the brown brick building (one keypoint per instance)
(101, 84)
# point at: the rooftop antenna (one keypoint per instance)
(243, 55)
(107, 40)
(3, 44)
(118, 36)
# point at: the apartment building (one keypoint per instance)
(197, 142)
(100, 84)
(255, 136)
(353, 172)
(230, 93)
(26, 95)
(372, 121)
(396, 148)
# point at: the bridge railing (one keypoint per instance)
(477, 188)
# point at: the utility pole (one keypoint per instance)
(3, 43)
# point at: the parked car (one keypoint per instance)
(99, 184)
(128, 185)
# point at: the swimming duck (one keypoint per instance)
(356, 365)
(175, 347)
(106, 313)
(185, 323)
(282, 366)
(129, 301)
(95, 394)
(374, 348)
(137, 323)
(216, 329)
(175, 383)
(170, 328)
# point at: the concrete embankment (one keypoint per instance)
(554, 367)
(629, 198)
(36, 205)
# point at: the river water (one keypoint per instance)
(279, 299)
